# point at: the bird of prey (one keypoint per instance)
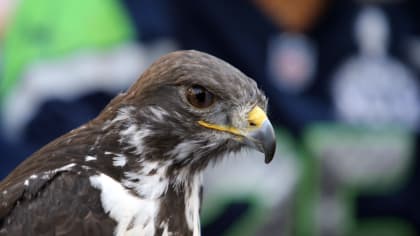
(136, 168)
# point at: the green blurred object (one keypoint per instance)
(47, 29)
(342, 162)
(369, 160)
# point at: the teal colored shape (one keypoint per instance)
(48, 29)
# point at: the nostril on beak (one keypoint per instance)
(256, 117)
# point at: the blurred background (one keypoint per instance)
(342, 78)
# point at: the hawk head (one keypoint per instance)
(190, 108)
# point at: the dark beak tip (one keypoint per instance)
(269, 155)
(270, 144)
(268, 159)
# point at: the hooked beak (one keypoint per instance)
(258, 135)
(261, 135)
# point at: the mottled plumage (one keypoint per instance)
(136, 168)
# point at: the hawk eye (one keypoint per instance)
(199, 97)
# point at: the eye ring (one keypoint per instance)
(199, 97)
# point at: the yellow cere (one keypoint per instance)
(256, 116)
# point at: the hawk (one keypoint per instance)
(136, 168)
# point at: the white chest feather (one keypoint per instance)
(134, 216)
(137, 216)
(192, 205)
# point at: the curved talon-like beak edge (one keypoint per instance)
(263, 139)
(261, 134)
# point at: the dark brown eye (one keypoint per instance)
(199, 97)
